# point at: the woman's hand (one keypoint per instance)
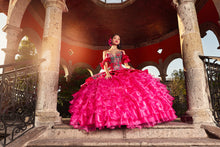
(108, 76)
(131, 68)
(128, 66)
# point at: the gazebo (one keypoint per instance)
(73, 33)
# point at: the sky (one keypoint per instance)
(210, 45)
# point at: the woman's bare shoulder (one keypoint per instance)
(105, 51)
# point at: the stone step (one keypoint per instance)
(157, 142)
(173, 134)
(166, 130)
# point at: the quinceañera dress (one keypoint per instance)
(131, 98)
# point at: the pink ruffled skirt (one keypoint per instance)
(131, 98)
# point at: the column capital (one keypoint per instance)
(11, 27)
(179, 2)
(55, 3)
(163, 77)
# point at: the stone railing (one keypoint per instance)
(212, 65)
(18, 93)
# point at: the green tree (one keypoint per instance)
(178, 91)
(178, 84)
(26, 50)
(66, 89)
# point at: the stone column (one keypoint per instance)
(163, 74)
(12, 43)
(46, 108)
(163, 77)
(191, 47)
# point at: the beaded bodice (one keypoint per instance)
(115, 60)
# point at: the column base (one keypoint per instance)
(48, 119)
(199, 116)
(186, 118)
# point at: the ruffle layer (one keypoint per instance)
(131, 97)
(125, 59)
(108, 60)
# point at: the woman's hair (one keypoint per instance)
(110, 41)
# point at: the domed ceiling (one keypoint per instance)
(136, 21)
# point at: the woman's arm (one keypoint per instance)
(108, 75)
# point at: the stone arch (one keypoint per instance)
(210, 26)
(168, 60)
(83, 65)
(32, 35)
(16, 11)
(98, 68)
(148, 63)
(65, 66)
(15, 14)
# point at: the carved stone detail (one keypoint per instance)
(55, 3)
(179, 2)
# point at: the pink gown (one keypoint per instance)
(131, 98)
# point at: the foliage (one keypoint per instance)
(26, 50)
(66, 89)
(178, 91)
(26, 81)
(178, 83)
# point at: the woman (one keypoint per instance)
(120, 96)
